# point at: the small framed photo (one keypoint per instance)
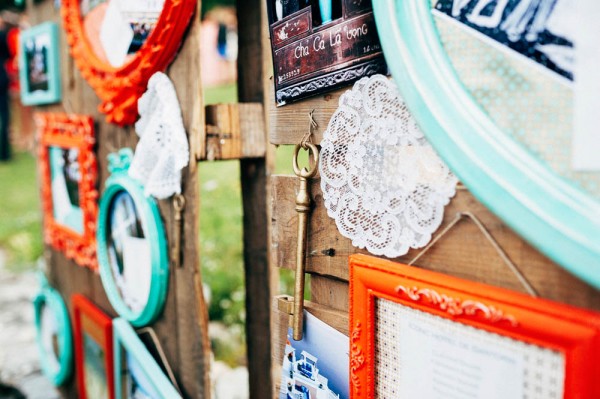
(68, 174)
(39, 69)
(137, 374)
(53, 334)
(93, 350)
(132, 246)
(421, 334)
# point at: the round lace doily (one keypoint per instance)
(163, 148)
(382, 182)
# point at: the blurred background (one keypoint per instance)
(220, 234)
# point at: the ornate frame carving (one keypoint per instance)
(70, 131)
(120, 88)
(574, 332)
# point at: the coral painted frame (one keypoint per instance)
(70, 131)
(119, 88)
(91, 320)
(573, 332)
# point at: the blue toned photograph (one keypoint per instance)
(316, 367)
(65, 176)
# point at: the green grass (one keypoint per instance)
(20, 212)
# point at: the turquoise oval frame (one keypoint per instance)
(125, 338)
(153, 231)
(48, 296)
(559, 219)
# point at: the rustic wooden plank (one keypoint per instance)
(329, 293)
(234, 131)
(464, 252)
(182, 327)
(254, 194)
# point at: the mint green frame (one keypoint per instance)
(48, 296)
(124, 337)
(559, 219)
(153, 231)
(53, 94)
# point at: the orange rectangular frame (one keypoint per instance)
(573, 332)
(70, 131)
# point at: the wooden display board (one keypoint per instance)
(463, 252)
(182, 328)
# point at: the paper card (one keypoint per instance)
(586, 136)
(115, 34)
(317, 365)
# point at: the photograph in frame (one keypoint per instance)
(418, 333)
(39, 65)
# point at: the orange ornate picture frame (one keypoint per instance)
(570, 333)
(64, 132)
(119, 88)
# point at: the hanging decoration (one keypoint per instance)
(382, 182)
(163, 150)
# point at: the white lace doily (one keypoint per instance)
(382, 182)
(163, 148)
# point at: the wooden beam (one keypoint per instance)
(463, 252)
(234, 131)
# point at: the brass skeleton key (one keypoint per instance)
(178, 206)
(303, 209)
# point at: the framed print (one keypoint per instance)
(119, 45)
(420, 334)
(68, 175)
(489, 83)
(321, 46)
(137, 374)
(39, 67)
(93, 350)
(53, 334)
(132, 248)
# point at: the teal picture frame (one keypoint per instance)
(149, 217)
(559, 219)
(130, 353)
(39, 65)
(60, 368)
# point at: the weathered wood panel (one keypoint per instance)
(254, 193)
(182, 328)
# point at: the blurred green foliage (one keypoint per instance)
(207, 5)
(20, 211)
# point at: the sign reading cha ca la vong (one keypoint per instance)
(310, 59)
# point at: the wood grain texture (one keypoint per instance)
(234, 131)
(182, 328)
(463, 252)
(254, 194)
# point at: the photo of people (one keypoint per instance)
(49, 333)
(65, 176)
(128, 252)
(137, 385)
(94, 365)
(36, 61)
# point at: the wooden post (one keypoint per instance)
(254, 193)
